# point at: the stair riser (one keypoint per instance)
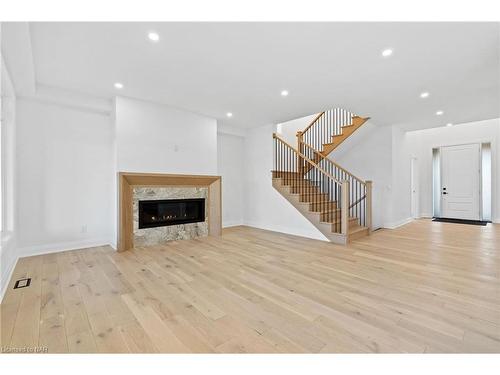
(289, 175)
(296, 183)
(319, 206)
(336, 217)
(309, 194)
(312, 198)
(314, 201)
(353, 223)
(331, 217)
(304, 189)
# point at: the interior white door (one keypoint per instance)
(460, 182)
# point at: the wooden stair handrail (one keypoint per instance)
(314, 165)
(313, 122)
(335, 164)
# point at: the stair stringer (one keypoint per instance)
(347, 132)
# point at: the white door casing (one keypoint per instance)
(460, 182)
(414, 187)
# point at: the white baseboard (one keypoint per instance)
(232, 224)
(6, 278)
(398, 223)
(61, 246)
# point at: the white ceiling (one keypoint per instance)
(214, 68)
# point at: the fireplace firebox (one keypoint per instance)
(160, 213)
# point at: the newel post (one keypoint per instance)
(369, 187)
(300, 162)
(344, 208)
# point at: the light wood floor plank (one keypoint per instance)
(424, 287)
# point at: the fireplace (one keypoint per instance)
(165, 212)
(137, 187)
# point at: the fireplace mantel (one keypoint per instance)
(128, 180)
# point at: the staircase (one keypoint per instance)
(328, 130)
(335, 201)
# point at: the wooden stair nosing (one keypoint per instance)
(320, 197)
(353, 221)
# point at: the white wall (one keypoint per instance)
(368, 155)
(288, 130)
(230, 165)
(68, 158)
(264, 207)
(401, 179)
(8, 181)
(422, 142)
(65, 178)
(156, 138)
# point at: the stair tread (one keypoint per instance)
(341, 135)
(322, 194)
(326, 203)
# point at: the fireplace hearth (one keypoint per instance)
(165, 212)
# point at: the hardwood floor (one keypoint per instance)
(425, 287)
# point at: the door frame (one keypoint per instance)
(414, 193)
(480, 171)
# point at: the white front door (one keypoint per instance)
(460, 172)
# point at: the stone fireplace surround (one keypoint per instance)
(162, 234)
(133, 186)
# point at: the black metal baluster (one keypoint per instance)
(274, 157)
(282, 167)
(359, 204)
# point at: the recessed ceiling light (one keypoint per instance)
(439, 113)
(118, 85)
(449, 124)
(424, 95)
(284, 93)
(229, 114)
(154, 37)
(387, 52)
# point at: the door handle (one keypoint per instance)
(444, 192)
